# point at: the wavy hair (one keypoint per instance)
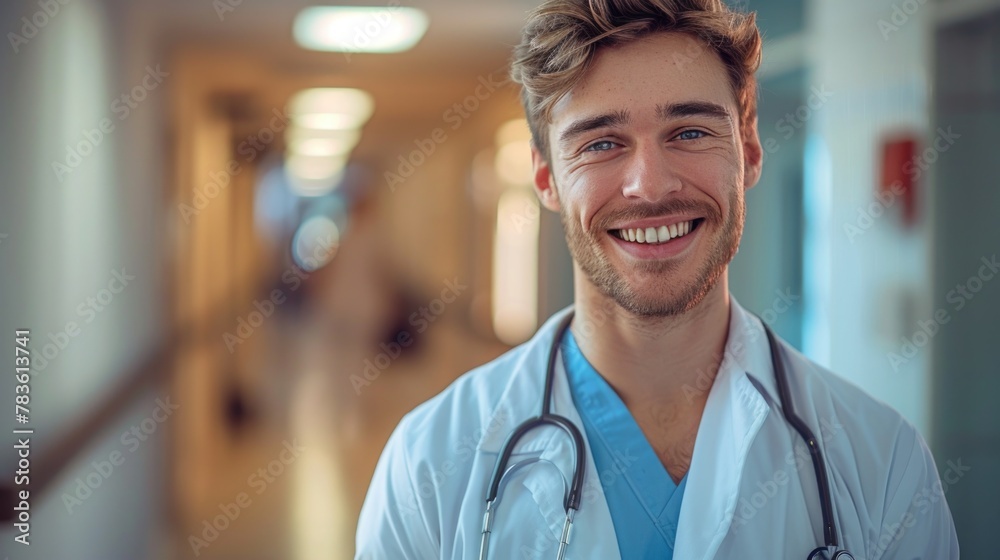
(561, 38)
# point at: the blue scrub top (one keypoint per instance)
(645, 503)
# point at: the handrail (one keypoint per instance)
(58, 456)
(155, 367)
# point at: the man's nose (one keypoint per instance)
(649, 175)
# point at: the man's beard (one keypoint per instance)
(681, 294)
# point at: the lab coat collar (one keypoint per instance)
(593, 528)
(735, 410)
(528, 378)
(737, 405)
(746, 350)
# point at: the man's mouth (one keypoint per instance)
(657, 235)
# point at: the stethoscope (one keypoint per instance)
(571, 503)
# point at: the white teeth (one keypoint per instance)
(656, 235)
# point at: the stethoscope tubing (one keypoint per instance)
(573, 494)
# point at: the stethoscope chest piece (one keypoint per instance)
(829, 553)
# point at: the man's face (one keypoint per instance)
(645, 148)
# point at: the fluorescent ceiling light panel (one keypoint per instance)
(314, 168)
(384, 29)
(331, 108)
(315, 142)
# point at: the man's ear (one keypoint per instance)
(545, 187)
(753, 156)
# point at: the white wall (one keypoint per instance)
(65, 237)
(865, 292)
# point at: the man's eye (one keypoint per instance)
(601, 146)
(691, 135)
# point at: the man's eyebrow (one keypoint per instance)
(616, 118)
(690, 109)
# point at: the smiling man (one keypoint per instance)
(655, 418)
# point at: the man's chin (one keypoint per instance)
(651, 303)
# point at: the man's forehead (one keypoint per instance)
(645, 75)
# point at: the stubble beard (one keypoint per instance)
(681, 295)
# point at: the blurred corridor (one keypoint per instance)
(241, 261)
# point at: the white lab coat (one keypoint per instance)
(751, 489)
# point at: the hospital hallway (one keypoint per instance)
(242, 238)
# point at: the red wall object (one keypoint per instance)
(899, 174)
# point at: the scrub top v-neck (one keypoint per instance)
(644, 501)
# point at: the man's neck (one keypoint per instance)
(661, 368)
(670, 360)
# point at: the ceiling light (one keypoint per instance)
(359, 29)
(320, 147)
(315, 168)
(312, 175)
(331, 108)
(313, 142)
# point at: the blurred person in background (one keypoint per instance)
(677, 424)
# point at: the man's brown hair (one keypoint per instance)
(562, 37)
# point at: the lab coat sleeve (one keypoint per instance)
(393, 521)
(917, 521)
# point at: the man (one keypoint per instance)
(644, 129)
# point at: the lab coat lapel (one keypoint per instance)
(593, 533)
(734, 413)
